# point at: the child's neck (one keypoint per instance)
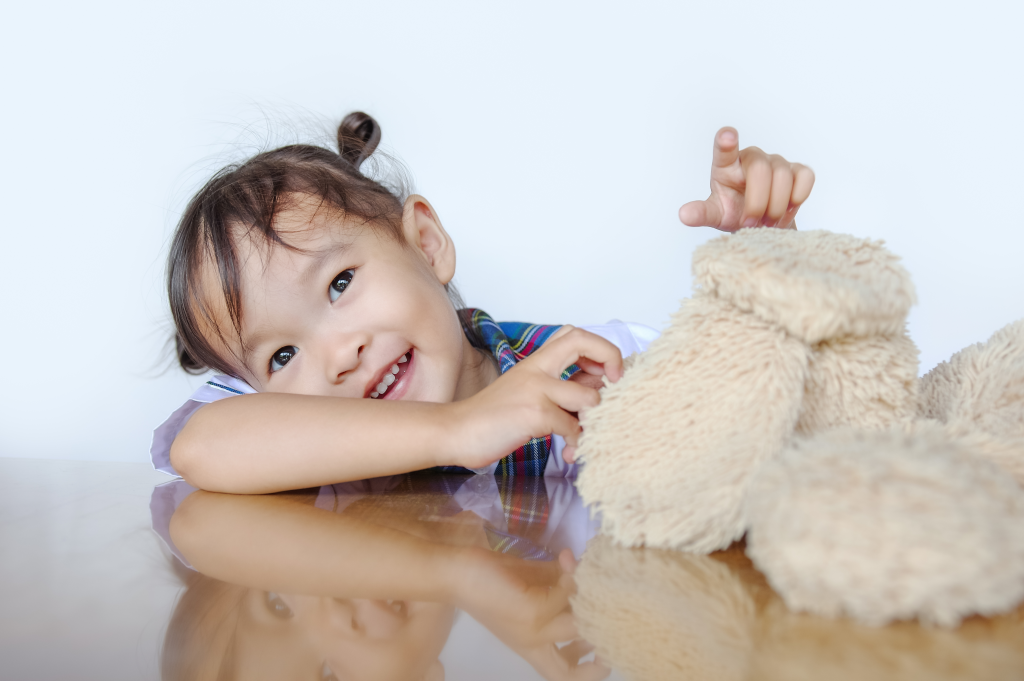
(478, 371)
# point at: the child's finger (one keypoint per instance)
(591, 671)
(591, 367)
(561, 422)
(567, 561)
(782, 189)
(574, 650)
(701, 214)
(727, 146)
(561, 628)
(571, 396)
(803, 182)
(787, 221)
(567, 346)
(757, 172)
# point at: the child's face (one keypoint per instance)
(310, 637)
(338, 316)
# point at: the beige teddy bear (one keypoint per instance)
(783, 403)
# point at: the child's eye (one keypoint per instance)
(340, 283)
(282, 357)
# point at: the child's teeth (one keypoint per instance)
(382, 386)
(389, 379)
(394, 368)
(375, 395)
(404, 359)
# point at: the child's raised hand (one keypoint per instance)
(749, 188)
(531, 400)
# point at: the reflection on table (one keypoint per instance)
(664, 615)
(363, 580)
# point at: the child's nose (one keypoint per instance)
(344, 357)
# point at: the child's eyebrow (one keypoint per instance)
(319, 258)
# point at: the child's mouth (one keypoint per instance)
(388, 384)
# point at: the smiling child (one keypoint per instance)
(323, 300)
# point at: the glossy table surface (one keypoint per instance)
(112, 573)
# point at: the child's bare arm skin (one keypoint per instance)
(270, 442)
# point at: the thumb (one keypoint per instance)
(701, 214)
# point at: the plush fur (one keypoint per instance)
(885, 504)
(866, 382)
(815, 285)
(888, 525)
(671, 447)
(979, 395)
(678, 482)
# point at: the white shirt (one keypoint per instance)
(629, 338)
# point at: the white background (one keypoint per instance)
(556, 140)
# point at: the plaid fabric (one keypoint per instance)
(510, 342)
(524, 501)
(520, 547)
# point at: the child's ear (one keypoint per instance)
(423, 230)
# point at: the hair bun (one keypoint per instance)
(358, 136)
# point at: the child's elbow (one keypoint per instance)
(183, 460)
(192, 464)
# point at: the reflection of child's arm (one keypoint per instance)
(277, 543)
(274, 543)
(269, 442)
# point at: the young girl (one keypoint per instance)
(324, 302)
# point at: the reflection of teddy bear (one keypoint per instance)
(657, 614)
(783, 402)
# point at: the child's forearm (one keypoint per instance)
(270, 442)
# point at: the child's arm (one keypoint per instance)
(749, 188)
(269, 442)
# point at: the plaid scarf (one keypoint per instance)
(510, 342)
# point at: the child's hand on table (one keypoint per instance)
(531, 400)
(749, 188)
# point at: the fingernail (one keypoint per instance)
(750, 222)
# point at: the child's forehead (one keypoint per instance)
(306, 223)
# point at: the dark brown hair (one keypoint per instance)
(243, 200)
